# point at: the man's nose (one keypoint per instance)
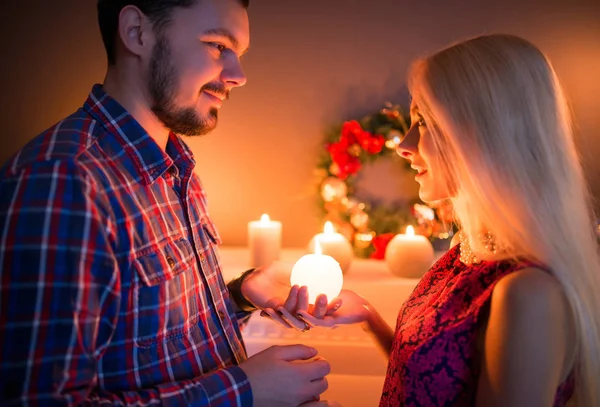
(233, 75)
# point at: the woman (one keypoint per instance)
(510, 316)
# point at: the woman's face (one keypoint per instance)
(418, 147)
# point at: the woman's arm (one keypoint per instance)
(382, 333)
(528, 342)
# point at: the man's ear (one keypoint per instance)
(135, 31)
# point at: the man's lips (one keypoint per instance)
(216, 97)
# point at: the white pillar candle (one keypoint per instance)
(320, 273)
(333, 244)
(409, 255)
(264, 241)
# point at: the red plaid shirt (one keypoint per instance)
(110, 286)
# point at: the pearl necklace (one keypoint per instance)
(466, 254)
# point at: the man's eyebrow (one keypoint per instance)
(223, 32)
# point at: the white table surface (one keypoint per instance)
(358, 367)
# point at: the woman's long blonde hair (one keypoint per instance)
(501, 124)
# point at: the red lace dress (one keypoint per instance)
(434, 360)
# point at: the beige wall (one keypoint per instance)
(312, 62)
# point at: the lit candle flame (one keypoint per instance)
(328, 229)
(265, 218)
(410, 231)
(318, 249)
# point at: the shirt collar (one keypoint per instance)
(181, 154)
(150, 160)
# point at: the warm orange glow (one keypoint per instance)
(410, 231)
(265, 218)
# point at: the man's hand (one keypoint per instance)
(268, 288)
(285, 376)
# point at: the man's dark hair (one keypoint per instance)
(158, 11)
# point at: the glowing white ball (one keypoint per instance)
(320, 273)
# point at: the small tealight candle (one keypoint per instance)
(264, 240)
(320, 273)
(409, 255)
(333, 244)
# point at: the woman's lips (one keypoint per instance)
(420, 171)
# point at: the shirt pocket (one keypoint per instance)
(164, 303)
(211, 240)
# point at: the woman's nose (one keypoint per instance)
(409, 144)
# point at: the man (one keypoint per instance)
(111, 291)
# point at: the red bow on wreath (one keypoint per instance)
(346, 163)
(345, 152)
(380, 243)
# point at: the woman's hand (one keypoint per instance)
(349, 308)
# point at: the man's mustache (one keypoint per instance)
(217, 88)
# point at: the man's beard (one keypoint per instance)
(162, 85)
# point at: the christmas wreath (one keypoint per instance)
(370, 225)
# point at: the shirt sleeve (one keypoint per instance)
(242, 311)
(60, 298)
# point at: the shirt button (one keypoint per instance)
(221, 314)
(202, 258)
(172, 170)
(170, 261)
